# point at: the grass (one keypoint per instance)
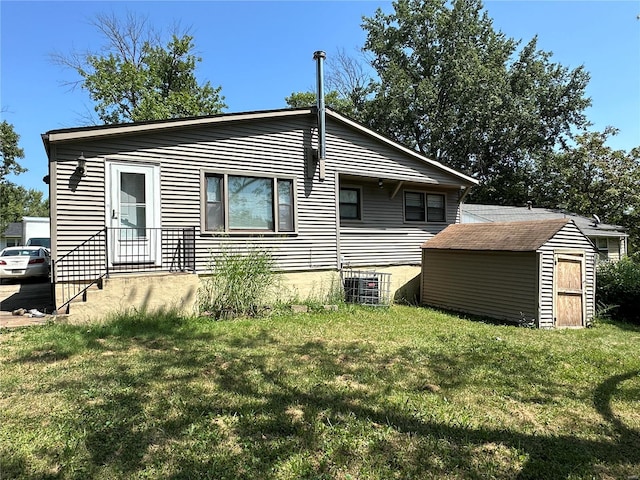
(399, 393)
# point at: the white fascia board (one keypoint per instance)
(92, 132)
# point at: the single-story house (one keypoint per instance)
(12, 236)
(611, 240)
(538, 272)
(19, 233)
(165, 196)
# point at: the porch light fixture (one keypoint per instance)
(81, 169)
(380, 183)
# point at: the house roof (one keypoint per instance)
(102, 131)
(497, 213)
(501, 236)
(14, 229)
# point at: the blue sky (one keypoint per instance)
(261, 52)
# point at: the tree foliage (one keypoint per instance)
(591, 178)
(457, 90)
(349, 87)
(10, 151)
(16, 201)
(135, 77)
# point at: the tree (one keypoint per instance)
(15, 201)
(10, 151)
(590, 177)
(452, 87)
(348, 83)
(309, 99)
(135, 77)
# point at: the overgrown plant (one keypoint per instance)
(239, 284)
(618, 287)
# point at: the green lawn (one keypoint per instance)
(399, 393)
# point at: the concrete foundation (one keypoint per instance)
(152, 292)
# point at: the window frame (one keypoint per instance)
(425, 204)
(358, 190)
(224, 201)
(603, 253)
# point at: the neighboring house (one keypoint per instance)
(12, 236)
(539, 271)
(167, 195)
(19, 233)
(610, 240)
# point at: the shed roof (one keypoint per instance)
(497, 236)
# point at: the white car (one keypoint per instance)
(24, 262)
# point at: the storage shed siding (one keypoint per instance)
(500, 285)
(569, 238)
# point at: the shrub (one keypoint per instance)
(618, 288)
(239, 284)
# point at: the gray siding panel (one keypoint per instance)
(366, 156)
(568, 238)
(383, 237)
(274, 147)
(500, 285)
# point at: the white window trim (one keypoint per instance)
(360, 204)
(225, 203)
(426, 216)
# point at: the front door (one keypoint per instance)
(569, 301)
(134, 213)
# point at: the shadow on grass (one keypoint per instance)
(126, 430)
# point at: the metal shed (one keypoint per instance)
(536, 271)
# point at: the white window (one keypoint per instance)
(247, 203)
(424, 207)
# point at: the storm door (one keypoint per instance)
(134, 213)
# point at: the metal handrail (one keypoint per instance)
(78, 270)
(172, 249)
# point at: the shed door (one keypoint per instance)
(569, 301)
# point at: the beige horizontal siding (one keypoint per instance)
(568, 238)
(275, 147)
(499, 285)
(369, 157)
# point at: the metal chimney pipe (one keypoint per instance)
(319, 57)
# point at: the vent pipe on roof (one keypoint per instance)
(319, 57)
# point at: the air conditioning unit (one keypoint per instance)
(366, 287)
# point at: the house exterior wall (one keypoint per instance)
(569, 238)
(616, 247)
(501, 285)
(279, 146)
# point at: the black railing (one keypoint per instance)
(121, 250)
